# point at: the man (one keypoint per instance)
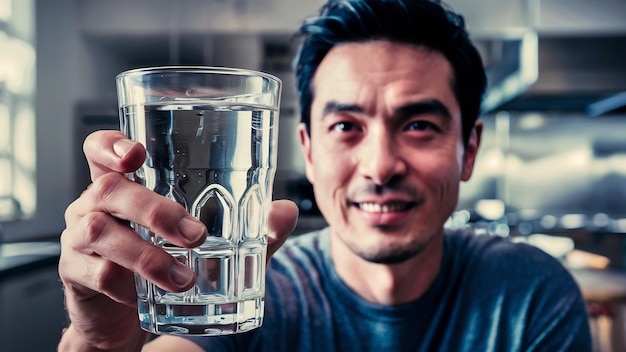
(390, 94)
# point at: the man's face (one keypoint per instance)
(385, 153)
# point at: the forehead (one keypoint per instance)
(376, 73)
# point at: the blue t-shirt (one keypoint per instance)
(490, 295)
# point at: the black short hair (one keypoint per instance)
(428, 23)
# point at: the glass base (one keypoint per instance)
(201, 319)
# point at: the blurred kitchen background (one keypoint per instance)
(551, 170)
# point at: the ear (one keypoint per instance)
(305, 148)
(471, 150)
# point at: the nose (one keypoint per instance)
(381, 159)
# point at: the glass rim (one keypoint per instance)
(196, 69)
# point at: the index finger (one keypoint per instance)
(111, 151)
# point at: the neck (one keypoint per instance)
(388, 283)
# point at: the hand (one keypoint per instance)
(100, 251)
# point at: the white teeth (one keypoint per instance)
(384, 208)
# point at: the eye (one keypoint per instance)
(344, 126)
(421, 125)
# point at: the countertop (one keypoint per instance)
(601, 285)
(15, 257)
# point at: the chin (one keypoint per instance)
(391, 255)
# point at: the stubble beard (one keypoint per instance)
(393, 255)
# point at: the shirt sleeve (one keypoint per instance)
(559, 321)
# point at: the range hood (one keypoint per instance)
(575, 74)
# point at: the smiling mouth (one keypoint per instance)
(384, 208)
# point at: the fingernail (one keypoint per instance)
(122, 147)
(191, 228)
(180, 274)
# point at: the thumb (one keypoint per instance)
(283, 218)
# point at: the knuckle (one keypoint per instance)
(156, 216)
(70, 212)
(152, 213)
(149, 261)
(95, 225)
(106, 277)
(98, 139)
(64, 267)
(90, 139)
(106, 185)
(65, 241)
(163, 217)
(70, 278)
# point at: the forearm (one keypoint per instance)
(72, 342)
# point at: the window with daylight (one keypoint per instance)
(17, 112)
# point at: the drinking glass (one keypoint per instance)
(210, 135)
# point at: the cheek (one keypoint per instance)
(442, 196)
(332, 175)
(442, 179)
(448, 192)
(333, 165)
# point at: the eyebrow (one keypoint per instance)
(333, 107)
(425, 107)
(430, 106)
